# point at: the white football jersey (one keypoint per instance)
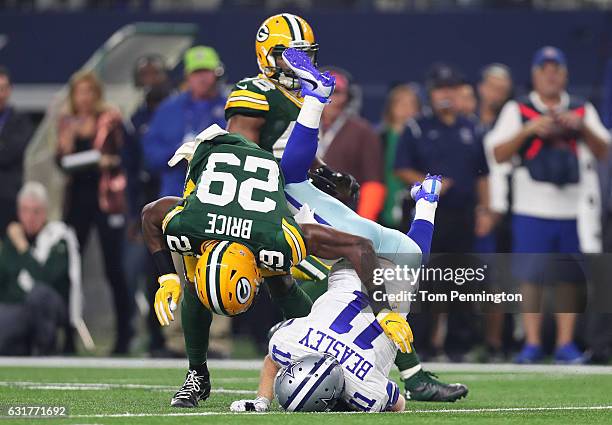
(342, 324)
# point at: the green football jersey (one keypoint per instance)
(261, 97)
(234, 192)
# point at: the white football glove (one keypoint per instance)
(260, 404)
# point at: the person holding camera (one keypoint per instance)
(553, 140)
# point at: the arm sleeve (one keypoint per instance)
(591, 119)
(371, 199)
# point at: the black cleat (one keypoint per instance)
(423, 386)
(195, 389)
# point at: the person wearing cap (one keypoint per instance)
(553, 140)
(447, 143)
(181, 117)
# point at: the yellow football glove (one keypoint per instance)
(397, 329)
(167, 297)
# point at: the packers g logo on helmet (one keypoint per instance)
(226, 277)
(277, 33)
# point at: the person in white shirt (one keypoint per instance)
(552, 140)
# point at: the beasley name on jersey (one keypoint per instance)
(368, 387)
(262, 97)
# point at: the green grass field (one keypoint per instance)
(141, 396)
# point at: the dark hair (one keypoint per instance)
(153, 60)
(5, 72)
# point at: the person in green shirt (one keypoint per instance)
(401, 106)
(39, 277)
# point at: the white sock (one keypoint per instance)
(405, 374)
(310, 114)
(425, 210)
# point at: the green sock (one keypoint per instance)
(196, 321)
(294, 303)
(405, 361)
(314, 288)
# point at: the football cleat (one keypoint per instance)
(423, 386)
(429, 189)
(313, 83)
(196, 388)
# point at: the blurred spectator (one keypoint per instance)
(90, 141)
(546, 134)
(151, 75)
(349, 144)
(15, 132)
(447, 143)
(181, 117)
(40, 279)
(149, 71)
(466, 101)
(402, 104)
(494, 90)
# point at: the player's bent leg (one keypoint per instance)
(421, 385)
(328, 210)
(196, 320)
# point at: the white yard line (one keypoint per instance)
(435, 411)
(255, 364)
(104, 386)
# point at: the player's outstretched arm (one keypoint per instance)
(169, 292)
(329, 243)
(152, 217)
(265, 393)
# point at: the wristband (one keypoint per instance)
(163, 262)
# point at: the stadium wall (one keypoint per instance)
(379, 49)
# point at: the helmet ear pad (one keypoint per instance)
(229, 285)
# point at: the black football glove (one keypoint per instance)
(341, 186)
